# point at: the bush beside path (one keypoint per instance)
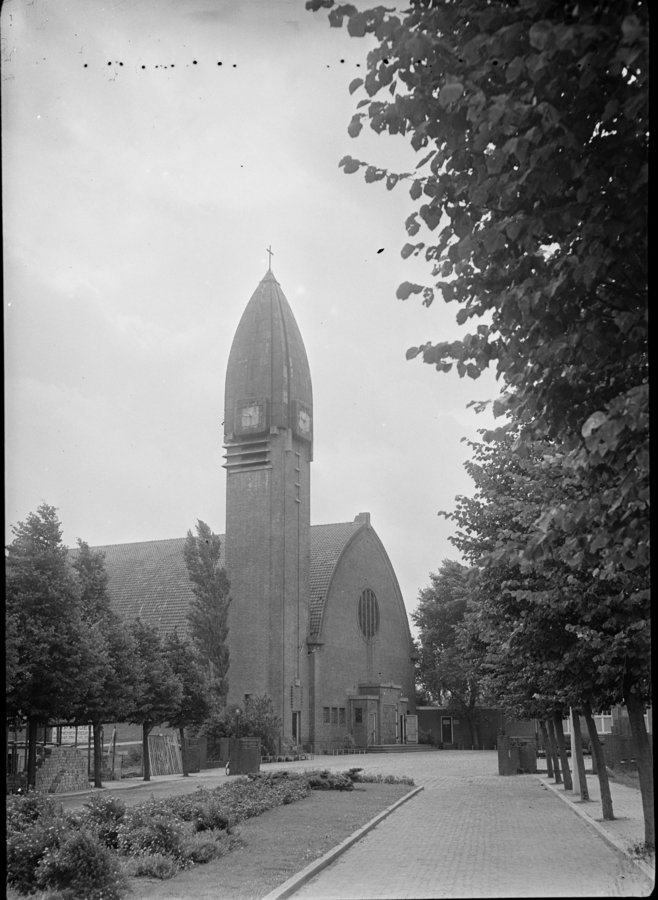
(276, 845)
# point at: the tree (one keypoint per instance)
(54, 657)
(158, 691)
(531, 196)
(255, 719)
(208, 616)
(196, 703)
(450, 664)
(532, 118)
(114, 651)
(557, 635)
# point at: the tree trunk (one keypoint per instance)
(32, 725)
(562, 749)
(552, 740)
(547, 749)
(601, 769)
(98, 755)
(644, 762)
(183, 751)
(577, 754)
(471, 730)
(473, 718)
(146, 762)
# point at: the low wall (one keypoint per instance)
(619, 751)
(63, 769)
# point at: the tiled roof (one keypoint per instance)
(149, 579)
(327, 544)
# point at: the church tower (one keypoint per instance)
(268, 436)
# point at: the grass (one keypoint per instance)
(628, 777)
(275, 845)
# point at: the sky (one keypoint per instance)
(152, 150)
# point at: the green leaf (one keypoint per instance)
(373, 174)
(349, 165)
(356, 25)
(450, 93)
(593, 422)
(355, 126)
(407, 288)
(540, 33)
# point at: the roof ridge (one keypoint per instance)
(325, 524)
(132, 543)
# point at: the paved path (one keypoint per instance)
(469, 833)
(473, 833)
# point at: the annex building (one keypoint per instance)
(317, 620)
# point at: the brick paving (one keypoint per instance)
(473, 833)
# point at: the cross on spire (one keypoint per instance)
(271, 252)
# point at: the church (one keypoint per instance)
(317, 621)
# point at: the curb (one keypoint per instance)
(646, 869)
(296, 881)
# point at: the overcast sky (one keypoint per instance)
(152, 151)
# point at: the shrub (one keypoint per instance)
(257, 719)
(71, 856)
(203, 848)
(23, 810)
(324, 780)
(204, 810)
(26, 848)
(148, 829)
(384, 779)
(103, 813)
(82, 868)
(155, 865)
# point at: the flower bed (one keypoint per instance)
(89, 854)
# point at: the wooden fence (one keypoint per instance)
(164, 755)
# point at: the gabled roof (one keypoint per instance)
(327, 544)
(149, 579)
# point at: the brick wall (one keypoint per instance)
(346, 659)
(63, 769)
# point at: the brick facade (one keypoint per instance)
(351, 672)
(63, 769)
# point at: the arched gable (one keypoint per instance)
(361, 642)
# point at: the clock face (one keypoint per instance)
(303, 421)
(250, 416)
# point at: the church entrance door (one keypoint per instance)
(446, 729)
(389, 724)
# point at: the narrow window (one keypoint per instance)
(326, 715)
(368, 614)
